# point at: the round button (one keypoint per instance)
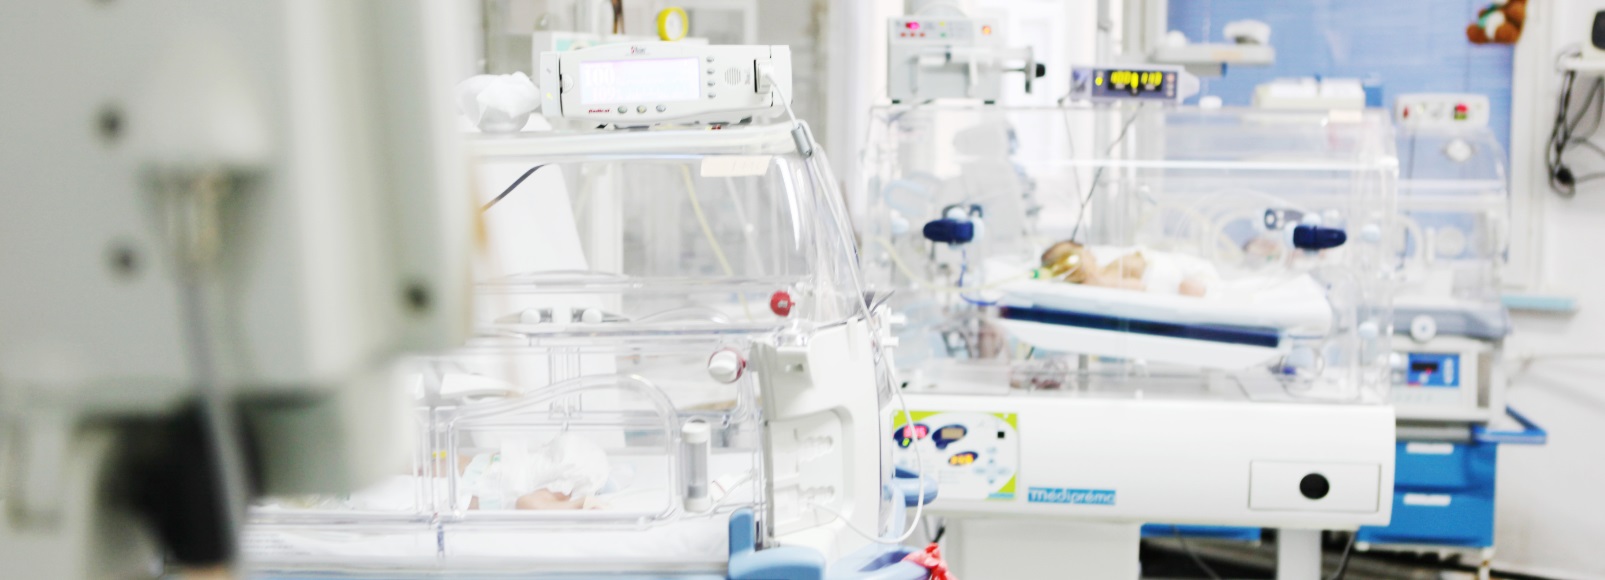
(1423, 328)
(712, 95)
(710, 59)
(1314, 486)
(710, 71)
(623, 110)
(640, 109)
(662, 108)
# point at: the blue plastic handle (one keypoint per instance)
(949, 231)
(1308, 237)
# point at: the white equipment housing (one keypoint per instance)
(1454, 210)
(1310, 94)
(940, 57)
(240, 198)
(633, 85)
(1207, 368)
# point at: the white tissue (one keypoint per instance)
(498, 103)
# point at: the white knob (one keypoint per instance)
(899, 224)
(726, 366)
(1371, 233)
(1423, 328)
(591, 316)
(529, 316)
(1369, 330)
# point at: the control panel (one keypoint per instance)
(1441, 110)
(1159, 83)
(1445, 377)
(940, 57)
(645, 84)
(944, 31)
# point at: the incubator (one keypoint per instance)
(1139, 250)
(1453, 242)
(673, 364)
(1123, 314)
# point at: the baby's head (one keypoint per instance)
(1068, 260)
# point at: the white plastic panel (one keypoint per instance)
(1277, 485)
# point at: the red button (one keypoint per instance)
(780, 303)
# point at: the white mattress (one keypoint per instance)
(701, 539)
(1291, 304)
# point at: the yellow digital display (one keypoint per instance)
(1146, 84)
(1136, 81)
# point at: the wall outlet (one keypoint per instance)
(1441, 110)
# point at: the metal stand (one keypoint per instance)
(1298, 554)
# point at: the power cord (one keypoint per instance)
(1563, 135)
(1208, 571)
(1343, 563)
(1081, 212)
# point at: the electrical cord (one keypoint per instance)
(1343, 563)
(1562, 179)
(1081, 213)
(510, 188)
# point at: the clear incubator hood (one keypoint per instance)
(1134, 251)
(637, 292)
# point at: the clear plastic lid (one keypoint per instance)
(1453, 239)
(660, 231)
(1233, 253)
(555, 457)
(605, 418)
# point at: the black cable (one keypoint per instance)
(1343, 563)
(1562, 135)
(510, 188)
(1194, 555)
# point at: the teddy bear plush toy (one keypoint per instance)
(1499, 23)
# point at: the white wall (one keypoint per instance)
(1551, 502)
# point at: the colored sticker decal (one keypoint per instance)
(1071, 496)
(974, 455)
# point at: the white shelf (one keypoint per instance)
(1583, 65)
(1215, 53)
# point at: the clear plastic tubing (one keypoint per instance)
(696, 438)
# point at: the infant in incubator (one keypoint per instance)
(1137, 269)
(563, 474)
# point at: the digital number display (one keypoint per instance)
(659, 80)
(1433, 370)
(1144, 84)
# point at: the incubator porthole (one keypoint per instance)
(1449, 242)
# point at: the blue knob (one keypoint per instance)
(949, 231)
(1318, 238)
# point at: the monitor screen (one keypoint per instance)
(658, 80)
(1133, 83)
